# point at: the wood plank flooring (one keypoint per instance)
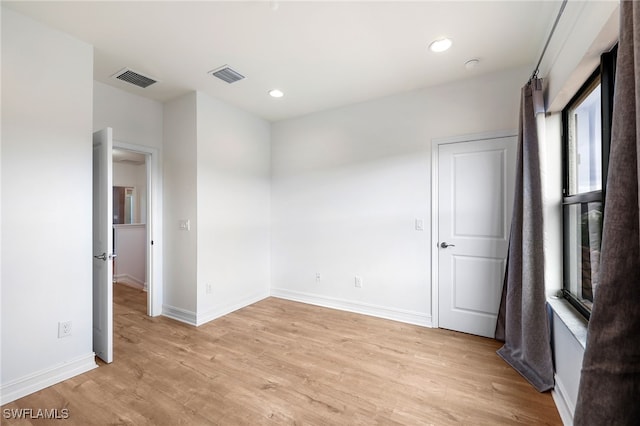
(280, 362)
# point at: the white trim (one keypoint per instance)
(44, 378)
(212, 314)
(130, 281)
(497, 134)
(571, 318)
(563, 404)
(154, 224)
(435, 144)
(401, 315)
(179, 314)
(435, 312)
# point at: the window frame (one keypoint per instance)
(606, 74)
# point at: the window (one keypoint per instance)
(587, 132)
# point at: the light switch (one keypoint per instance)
(419, 224)
(185, 225)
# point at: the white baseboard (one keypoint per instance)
(131, 281)
(565, 407)
(179, 314)
(42, 379)
(218, 312)
(400, 315)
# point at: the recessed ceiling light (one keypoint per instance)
(276, 93)
(440, 45)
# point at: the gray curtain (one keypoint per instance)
(610, 382)
(523, 324)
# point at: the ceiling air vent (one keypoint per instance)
(227, 74)
(134, 78)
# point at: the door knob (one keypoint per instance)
(445, 245)
(105, 256)
(102, 256)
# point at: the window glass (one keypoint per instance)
(586, 137)
(583, 235)
(584, 145)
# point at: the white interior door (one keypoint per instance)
(475, 200)
(102, 245)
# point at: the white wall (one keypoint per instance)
(585, 30)
(551, 165)
(217, 177)
(46, 205)
(134, 119)
(348, 184)
(233, 173)
(133, 176)
(130, 245)
(180, 180)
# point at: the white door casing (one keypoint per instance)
(474, 179)
(102, 245)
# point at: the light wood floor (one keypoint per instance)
(280, 362)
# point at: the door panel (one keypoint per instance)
(102, 245)
(466, 271)
(476, 214)
(475, 199)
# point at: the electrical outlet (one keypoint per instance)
(318, 277)
(209, 288)
(64, 329)
(358, 281)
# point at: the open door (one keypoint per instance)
(102, 245)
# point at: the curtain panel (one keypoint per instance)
(523, 323)
(609, 391)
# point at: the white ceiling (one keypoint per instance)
(321, 54)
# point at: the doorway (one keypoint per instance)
(149, 212)
(103, 254)
(130, 218)
(473, 180)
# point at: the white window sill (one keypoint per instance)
(575, 322)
